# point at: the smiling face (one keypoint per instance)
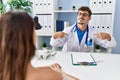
(83, 17)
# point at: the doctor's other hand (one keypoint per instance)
(59, 35)
(103, 36)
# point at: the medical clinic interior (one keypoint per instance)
(55, 15)
(82, 36)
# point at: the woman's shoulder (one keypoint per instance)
(43, 74)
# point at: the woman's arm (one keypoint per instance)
(56, 67)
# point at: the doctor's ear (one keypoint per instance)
(90, 18)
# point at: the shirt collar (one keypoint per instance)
(75, 28)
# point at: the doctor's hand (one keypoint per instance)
(103, 36)
(59, 35)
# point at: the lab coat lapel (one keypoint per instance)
(83, 41)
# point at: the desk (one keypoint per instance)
(108, 66)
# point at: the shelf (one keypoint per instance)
(44, 33)
(60, 11)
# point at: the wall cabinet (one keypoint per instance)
(103, 16)
(43, 9)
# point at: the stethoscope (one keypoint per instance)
(88, 41)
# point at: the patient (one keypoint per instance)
(17, 47)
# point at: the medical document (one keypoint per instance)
(82, 59)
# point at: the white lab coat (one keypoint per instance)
(71, 43)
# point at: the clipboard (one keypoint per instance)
(83, 59)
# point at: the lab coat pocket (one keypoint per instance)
(88, 48)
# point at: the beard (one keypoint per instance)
(81, 21)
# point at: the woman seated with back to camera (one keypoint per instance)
(17, 47)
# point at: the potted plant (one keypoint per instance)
(44, 45)
(25, 5)
(97, 48)
(2, 8)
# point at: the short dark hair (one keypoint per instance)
(85, 8)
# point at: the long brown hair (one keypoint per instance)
(16, 44)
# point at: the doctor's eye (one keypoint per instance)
(83, 14)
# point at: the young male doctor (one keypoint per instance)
(80, 37)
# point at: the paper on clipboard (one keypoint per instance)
(82, 59)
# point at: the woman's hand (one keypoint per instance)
(56, 67)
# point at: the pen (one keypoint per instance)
(53, 53)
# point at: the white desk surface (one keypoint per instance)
(108, 66)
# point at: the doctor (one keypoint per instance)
(79, 37)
